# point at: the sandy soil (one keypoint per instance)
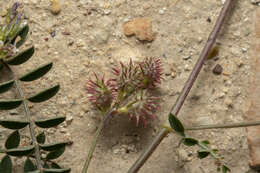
(97, 42)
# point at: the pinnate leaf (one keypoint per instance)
(45, 95)
(50, 122)
(23, 151)
(37, 73)
(10, 104)
(6, 165)
(53, 146)
(21, 57)
(176, 124)
(6, 86)
(55, 154)
(57, 170)
(13, 140)
(29, 166)
(14, 124)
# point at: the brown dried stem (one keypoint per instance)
(193, 76)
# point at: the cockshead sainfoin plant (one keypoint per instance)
(130, 92)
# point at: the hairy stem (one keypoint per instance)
(94, 141)
(224, 126)
(188, 85)
(31, 126)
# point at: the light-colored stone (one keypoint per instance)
(141, 28)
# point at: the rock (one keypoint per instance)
(141, 28)
(101, 36)
(173, 74)
(63, 130)
(244, 50)
(218, 69)
(55, 7)
(187, 67)
(187, 57)
(183, 155)
(13, 112)
(228, 102)
(161, 12)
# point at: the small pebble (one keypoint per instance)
(161, 12)
(244, 50)
(218, 69)
(13, 112)
(187, 57)
(52, 32)
(55, 7)
(173, 74)
(228, 102)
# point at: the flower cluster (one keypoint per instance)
(130, 91)
(101, 93)
(8, 30)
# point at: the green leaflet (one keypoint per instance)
(6, 86)
(45, 165)
(55, 154)
(29, 166)
(45, 95)
(202, 154)
(50, 122)
(57, 170)
(23, 151)
(41, 138)
(6, 165)
(13, 140)
(37, 73)
(21, 57)
(190, 141)
(53, 146)
(13, 124)
(55, 165)
(23, 34)
(10, 104)
(176, 124)
(225, 169)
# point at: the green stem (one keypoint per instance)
(216, 126)
(208, 149)
(94, 141)
(221, 126)
(28, 116)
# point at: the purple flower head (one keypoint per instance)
(101, 93)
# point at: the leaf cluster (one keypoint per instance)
(204, 148)
(39, 155)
